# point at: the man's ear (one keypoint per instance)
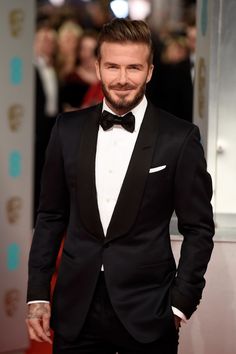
(150, 71)
(97, 69)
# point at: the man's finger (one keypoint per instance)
(38, 331)
(46, 327)
(33, 335)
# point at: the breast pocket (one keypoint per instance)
(157, 169)
(158, 179)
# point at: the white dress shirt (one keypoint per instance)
(114, 149)
(50, 86)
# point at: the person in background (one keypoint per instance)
(69, 34)
(171, 87)
(172, 84)
(47, 101)
(191, 37)
(114, 175)
(93, 95)
(83, 78)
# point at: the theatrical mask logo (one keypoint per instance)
(15, 116)
(201, 87)
(13, 209)
(11, 301)
(16, 21)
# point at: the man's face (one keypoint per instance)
(124, 70)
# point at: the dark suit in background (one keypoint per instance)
(171, 85)
(42, 132)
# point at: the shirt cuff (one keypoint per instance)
(179, 314)
(38, 301)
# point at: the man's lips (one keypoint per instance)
(122, 88)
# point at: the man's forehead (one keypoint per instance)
(128, 49)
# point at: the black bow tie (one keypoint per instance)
(108, 119)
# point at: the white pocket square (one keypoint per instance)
(156, 169)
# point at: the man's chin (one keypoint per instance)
(122, 104)
(122, 100)
(122, 93)
(122, 97)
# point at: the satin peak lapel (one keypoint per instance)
(87, 194)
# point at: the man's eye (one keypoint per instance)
(134, 68)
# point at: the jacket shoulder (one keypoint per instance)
(69, 125)
(79, 116)
(172, 125)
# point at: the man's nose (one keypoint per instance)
(122, 77)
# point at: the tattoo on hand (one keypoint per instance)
(38, 310)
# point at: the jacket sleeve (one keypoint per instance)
(52, 220)
(193, 192)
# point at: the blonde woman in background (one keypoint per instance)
(68, 40)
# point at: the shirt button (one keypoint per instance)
(108, 200)
(110, 171)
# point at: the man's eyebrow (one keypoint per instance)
(134, 65)
(138, 65)
(110, 63)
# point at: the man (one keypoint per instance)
(113, 188)
(47, 100)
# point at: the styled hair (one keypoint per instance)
(123, 30)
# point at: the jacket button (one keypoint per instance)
(106, 245)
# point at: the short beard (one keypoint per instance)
(122, 104)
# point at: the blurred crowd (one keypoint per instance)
(65, 77)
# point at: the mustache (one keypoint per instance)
(121, 87)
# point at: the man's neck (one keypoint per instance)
(122, 111)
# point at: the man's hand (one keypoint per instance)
(177, 322)
(38, 322)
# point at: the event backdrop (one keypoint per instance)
(215, 102)
(17, 18)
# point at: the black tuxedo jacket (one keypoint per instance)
(140, 270)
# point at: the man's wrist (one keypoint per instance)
(38, 301)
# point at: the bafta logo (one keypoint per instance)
(201, 87)
(15, 115)
(16, 20)
(13, 209)
(11, 301)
